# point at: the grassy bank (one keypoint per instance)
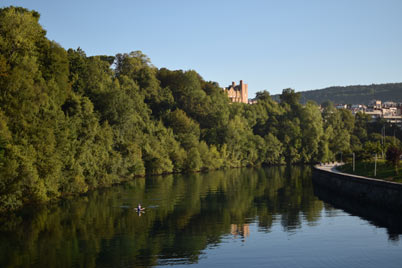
(366, 168)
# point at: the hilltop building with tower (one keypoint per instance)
(237, 93)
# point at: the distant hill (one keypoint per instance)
(354, 94)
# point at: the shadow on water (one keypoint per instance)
(377, 216)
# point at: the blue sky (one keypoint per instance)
(271, 45)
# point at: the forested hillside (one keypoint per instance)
(70, 123)
(354, 94)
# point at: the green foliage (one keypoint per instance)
(312, 133)
(366, 168)
(393, 155)
(186, 130)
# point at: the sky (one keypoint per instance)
(270, 45)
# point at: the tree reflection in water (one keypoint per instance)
(185, 214)
(378, 216)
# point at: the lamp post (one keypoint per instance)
(375, 166)
(383, 140)
(353, 162)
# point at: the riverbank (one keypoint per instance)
(384, 171)
(378, 192)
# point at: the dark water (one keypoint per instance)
(267, 217)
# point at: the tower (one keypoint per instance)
(238, 93)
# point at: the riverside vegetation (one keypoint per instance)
(70, 123)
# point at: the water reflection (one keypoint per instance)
(378, 216)
(185, 214)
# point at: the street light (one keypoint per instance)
(383, 140)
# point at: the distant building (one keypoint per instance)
(341, 106)
(237, 93)
(374, 113)
(252, 101)
(355, 108)
(389, 104)
(376, 104)
(395, 120)
(391, 111)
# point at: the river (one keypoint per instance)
(261, 217)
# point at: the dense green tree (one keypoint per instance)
(290, 97)
(186, 130)
(265, 115)
(348, 120)
(360, 129)
(393, 156)
(336, 128)
(138, 67)
(312, 133)
(290, 126)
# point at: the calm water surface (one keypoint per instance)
(267, 217)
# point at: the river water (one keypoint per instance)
(263, 217)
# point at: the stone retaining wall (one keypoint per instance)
(378, 192)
